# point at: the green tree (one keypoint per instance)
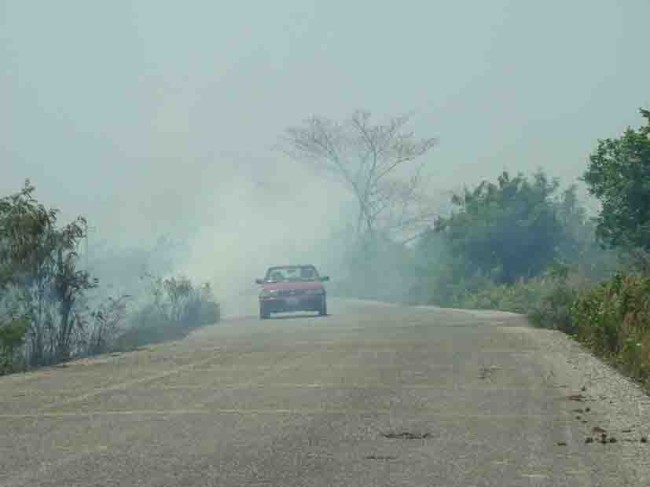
(504, 231)
(619, 176)
(39, 279)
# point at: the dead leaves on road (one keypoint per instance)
(486, 372)
(576, 397)
(597, 434)
(406, 435)
(381, 457)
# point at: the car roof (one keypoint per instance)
(291, 266)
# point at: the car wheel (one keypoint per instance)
(323, 308)
(264, 314)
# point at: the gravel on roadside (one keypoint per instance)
(612, 407)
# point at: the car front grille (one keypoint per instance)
(291, 292)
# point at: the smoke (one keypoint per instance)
(280, 214)
(155, 121)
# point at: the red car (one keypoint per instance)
(292, 288)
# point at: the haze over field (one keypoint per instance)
(163, 118)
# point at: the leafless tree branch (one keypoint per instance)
(367, 158)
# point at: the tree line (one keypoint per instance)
(51, 309)
(520, 242)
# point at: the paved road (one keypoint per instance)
(373, 395)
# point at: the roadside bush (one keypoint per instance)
(613, 319)
(517, 298)
(51, 309)
(553, 309)
(547, 300)
(106, 324)
(170, 310)
(12, 337)
(523, 296)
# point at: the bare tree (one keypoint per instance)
(380, 164)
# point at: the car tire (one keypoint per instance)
(264, 314)
(323, 308)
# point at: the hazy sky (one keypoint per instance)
(161, 116)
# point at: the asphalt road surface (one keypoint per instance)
(373, 395)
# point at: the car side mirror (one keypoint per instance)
(259, 281)
(325, 278)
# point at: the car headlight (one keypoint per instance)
(315, 291)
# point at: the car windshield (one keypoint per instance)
(292, 273)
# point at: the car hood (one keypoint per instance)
(288, 286)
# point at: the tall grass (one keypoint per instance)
(613, 319)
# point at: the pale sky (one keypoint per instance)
(153, 117)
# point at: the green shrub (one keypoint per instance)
(517, 298)
(172, 308)
(535, 295)
(613, 319)
(553, 309)
(546, 300)
(12, 336)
